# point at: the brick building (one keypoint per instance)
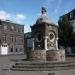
(11, 38)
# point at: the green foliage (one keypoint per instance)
(65, 32)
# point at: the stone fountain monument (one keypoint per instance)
(45, 40)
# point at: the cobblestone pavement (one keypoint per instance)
(9, 60)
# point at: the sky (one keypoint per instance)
(26, 12)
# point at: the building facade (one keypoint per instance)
(28, 41)
(71, 17)
(11, 38)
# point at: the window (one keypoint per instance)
(11, 49)
(4, 45)
(11, 38)
(4, 37)
(18, 29)
(16, 50)
(15, 39)
(20, 38)
(12, 28)
(0, 41)
(15, 29)
(21, 29)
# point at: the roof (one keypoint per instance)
(10, 22)
(43, 18)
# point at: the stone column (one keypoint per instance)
(33, 44)
(57, 43)
(45, 39)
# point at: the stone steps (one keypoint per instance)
(43, 66)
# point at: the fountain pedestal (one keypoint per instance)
(49, 55)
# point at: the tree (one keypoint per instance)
(65, 31)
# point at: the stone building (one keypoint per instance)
(71, 17)
(11, 38)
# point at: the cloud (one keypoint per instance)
(20, 18)
(4, 15)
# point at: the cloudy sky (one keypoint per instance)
(27, 11)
